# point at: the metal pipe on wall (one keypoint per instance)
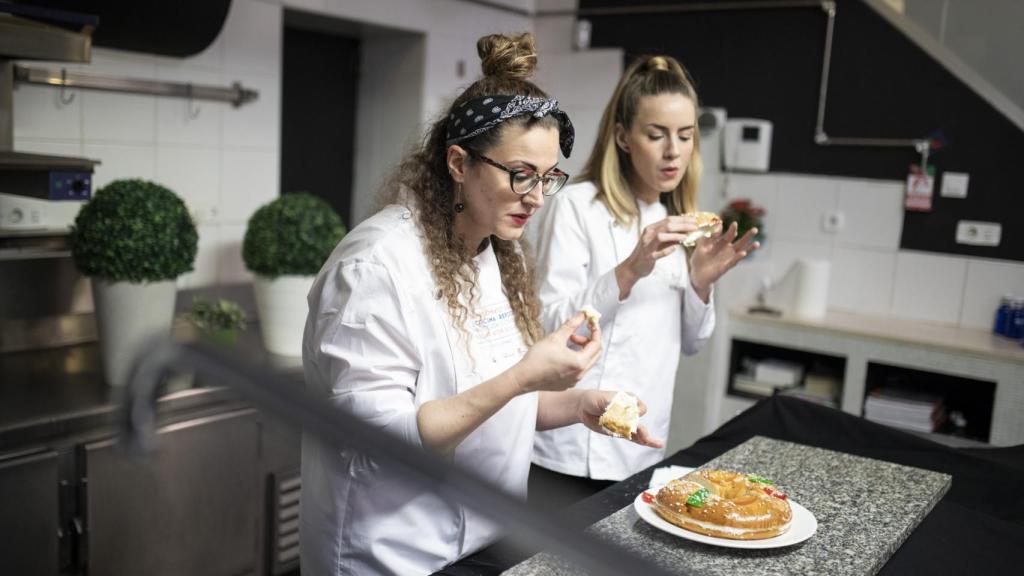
(236, 94)
(828, 6)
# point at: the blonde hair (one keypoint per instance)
(507, 62)
(608, 166)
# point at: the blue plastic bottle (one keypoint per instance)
(1003, 316)
(1015, 320)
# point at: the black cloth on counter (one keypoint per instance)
(976, 528)
(552, 490)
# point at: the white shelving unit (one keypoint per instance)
(862, 340)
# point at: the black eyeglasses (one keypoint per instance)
(523, 180)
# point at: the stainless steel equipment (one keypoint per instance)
(44, 301)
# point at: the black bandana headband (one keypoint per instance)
(479, 115)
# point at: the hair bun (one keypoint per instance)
(658, 63)
(507, 56)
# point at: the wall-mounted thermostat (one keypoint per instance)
(748, 144)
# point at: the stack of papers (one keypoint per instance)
(902, 409)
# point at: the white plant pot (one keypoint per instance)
(282, 307)
(128, 315)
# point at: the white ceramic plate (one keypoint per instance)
(802, 527)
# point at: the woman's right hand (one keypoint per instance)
(657, 241)
(551, 365)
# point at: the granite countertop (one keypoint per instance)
(943, 337)
(865, 510)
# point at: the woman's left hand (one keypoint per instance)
(713, 257)
(594, 402)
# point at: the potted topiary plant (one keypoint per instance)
(286, 242)
(133, 239)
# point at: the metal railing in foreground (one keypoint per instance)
(282, 398)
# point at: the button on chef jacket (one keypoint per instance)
(379, 343)
(578, 244)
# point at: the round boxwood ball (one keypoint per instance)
(134, 231)
(293, 235)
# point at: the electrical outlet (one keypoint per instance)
(833, 221)
(977, 233)
(954, 184)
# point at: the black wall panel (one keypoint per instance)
(766, 63)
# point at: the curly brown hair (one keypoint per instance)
(507, 62)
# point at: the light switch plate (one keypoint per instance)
(978, 233)
(954, 184)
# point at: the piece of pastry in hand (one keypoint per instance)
(592, 315)
(622, 416)
(708, 225)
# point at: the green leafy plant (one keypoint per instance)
(134, 231)
(746, 214)
(293, 235)
(220, 315)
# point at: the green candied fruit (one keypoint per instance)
(760, 479)
(697, 498)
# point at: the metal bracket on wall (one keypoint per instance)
(236, 94)
(922, 145)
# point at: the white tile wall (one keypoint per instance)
(869, 273)
(122, 118)
(743, 282)
(54, 147)
(115, 117)
(861, 280)
(252, 38)
(929, 287)
(249, 179)
(785, 253)
(987, 281)
(802, 203)
(120, 161)
(207, 264)
(230, 268)
(560, 75)
(257, 124)
(39, 113)
(175, 122)
(873, 214)
(199, 184)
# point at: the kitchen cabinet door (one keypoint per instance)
(29, 520)
(191, 508)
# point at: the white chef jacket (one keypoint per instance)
(578, 244)
(379, 342)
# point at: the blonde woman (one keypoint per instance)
(424, 323)
(612, 240)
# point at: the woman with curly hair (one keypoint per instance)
(424, 322)
(616, 240)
